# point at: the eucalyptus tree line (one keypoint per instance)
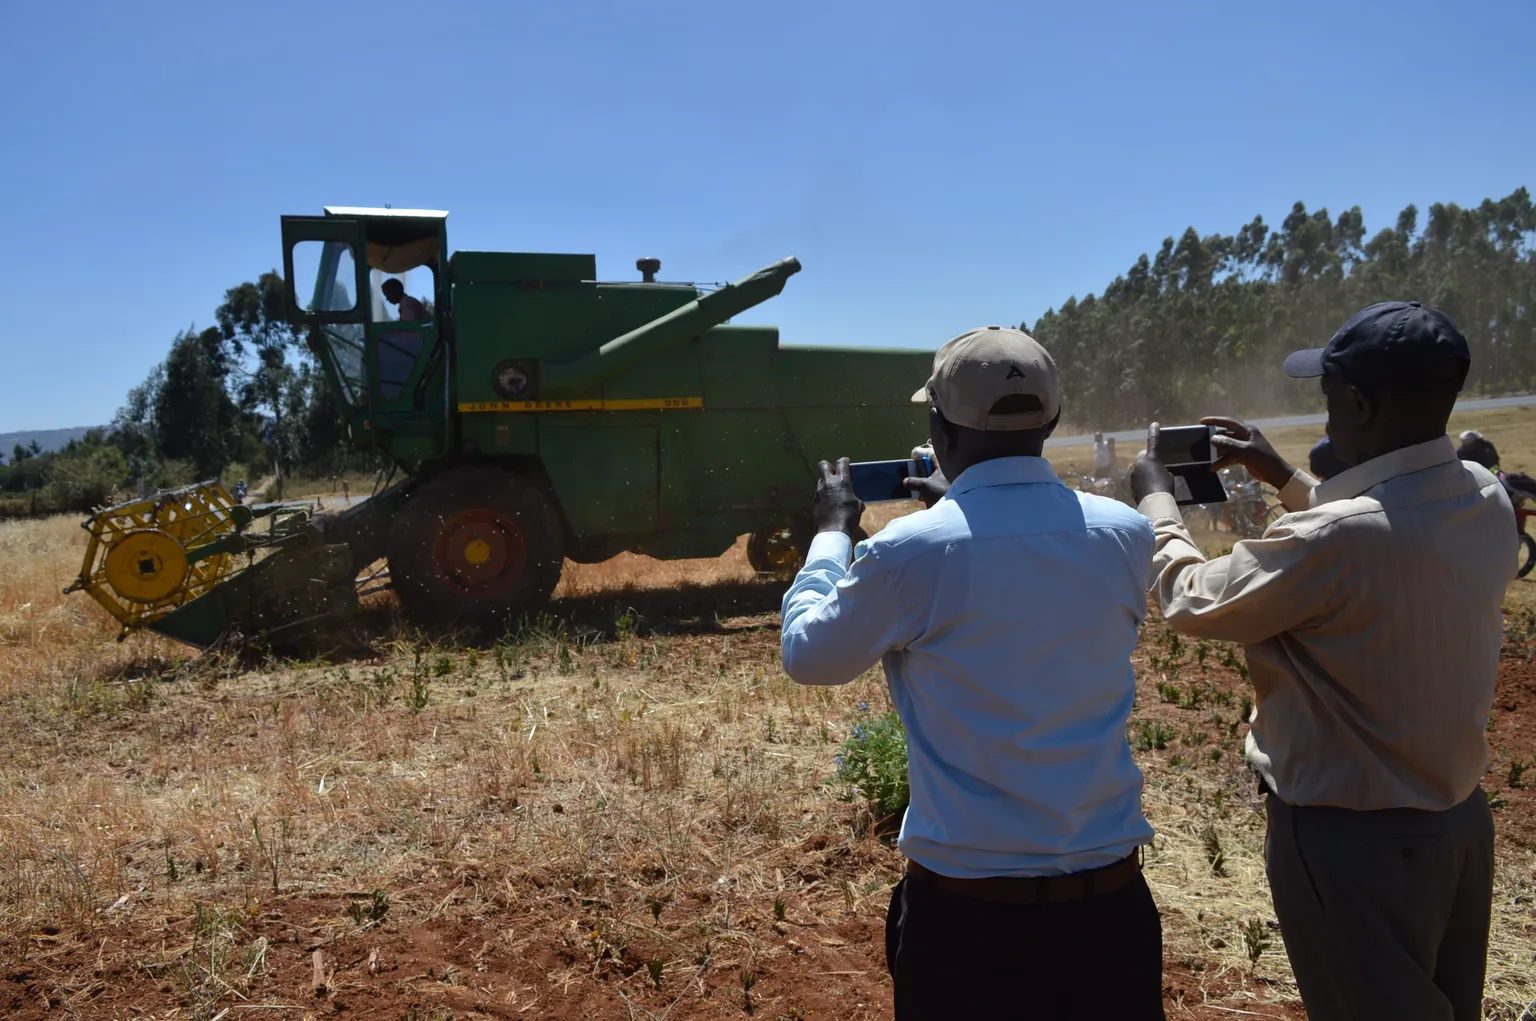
(1202, 325)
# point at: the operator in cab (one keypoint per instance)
(411, 310)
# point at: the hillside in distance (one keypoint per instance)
(47, 439)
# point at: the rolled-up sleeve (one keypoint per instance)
(840, 619)
(1263, 587)
(1296, 494)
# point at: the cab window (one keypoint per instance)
(324, 276)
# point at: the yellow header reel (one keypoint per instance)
(145, 566)
(149, 556)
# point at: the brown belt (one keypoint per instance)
(1036, 889)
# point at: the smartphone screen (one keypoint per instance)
(879, 481)
(1184, 444)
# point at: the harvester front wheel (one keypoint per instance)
(474, 547)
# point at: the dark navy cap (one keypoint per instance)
(1401, 341)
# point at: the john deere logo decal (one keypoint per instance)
(617, 404)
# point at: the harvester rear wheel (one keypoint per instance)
(776, 551)
(474, 547)
(783, 550)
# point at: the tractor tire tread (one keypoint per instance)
(429, 601)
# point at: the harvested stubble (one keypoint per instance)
(622, 812)
(571, 779)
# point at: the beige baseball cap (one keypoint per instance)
(980, 367)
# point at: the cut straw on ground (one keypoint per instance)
(624, 812)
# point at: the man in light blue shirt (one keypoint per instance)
(1004, 615)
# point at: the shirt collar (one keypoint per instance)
(1348, 484)
(1005, 471)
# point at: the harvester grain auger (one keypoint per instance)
(536, 414)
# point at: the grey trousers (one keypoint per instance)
(1384, 914)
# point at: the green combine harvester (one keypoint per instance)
(533, 414)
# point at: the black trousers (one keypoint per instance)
(956, 958)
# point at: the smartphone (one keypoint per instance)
(1196, 484)
(1188, 453)
(881, 481)
(1185, 444)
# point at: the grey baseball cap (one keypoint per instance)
(975, 370)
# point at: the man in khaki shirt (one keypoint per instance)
(1371, 619)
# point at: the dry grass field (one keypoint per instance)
(621, 813)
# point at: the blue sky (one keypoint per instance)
(934, 166)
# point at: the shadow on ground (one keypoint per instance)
(139, 668)
(718, 608)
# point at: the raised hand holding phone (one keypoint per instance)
(882, 481)
(1237, 442)
(1182, 444)
(836, 507)
(1178, 460)
(1148, 474)
(928, 488)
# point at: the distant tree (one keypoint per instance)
(253, 322)
(322, 440)
(30, 473)
(194, 418)
(133, 427)
(1202, 325)
(239, 393)
(86, 474)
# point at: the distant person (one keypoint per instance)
(1476, 447)
(411, 310)
(1371, 619)
(1325, 464)
(1004, 615)
(1103, 457)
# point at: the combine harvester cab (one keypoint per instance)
(537, 415)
